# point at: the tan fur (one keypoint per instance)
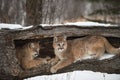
(69, 51)
(27, 54)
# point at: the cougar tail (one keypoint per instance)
(110, 49)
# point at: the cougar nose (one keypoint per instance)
(60, 49)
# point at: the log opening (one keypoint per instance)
(47, 48)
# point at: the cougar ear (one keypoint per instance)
(64, 37)
(31, 45)
(55, 38)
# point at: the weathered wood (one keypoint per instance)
(9, 38)
(68, 30)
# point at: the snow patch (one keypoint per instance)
(105, 56)
(86, 23)
(13, 26)
(78, 75)
(83, 24)
(44, 25)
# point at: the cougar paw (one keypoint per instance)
(50, 61)
(48, 58)
(53, 70)
(45, 61)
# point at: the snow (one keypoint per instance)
(78, 75)
(105, 56)
(86, 23)
(13, 26)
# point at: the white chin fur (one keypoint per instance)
(60, 50)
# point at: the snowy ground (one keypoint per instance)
(105, 56)
(20, 27)
(88, 24)
(13, 26)
(78, 75)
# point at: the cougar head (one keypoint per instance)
(34, 49)
(60, 43)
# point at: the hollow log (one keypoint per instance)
(9, 39)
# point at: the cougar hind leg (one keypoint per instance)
(97, 52)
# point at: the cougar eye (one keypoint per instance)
(35, 55)
(58, 44)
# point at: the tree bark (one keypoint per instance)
(9, 39)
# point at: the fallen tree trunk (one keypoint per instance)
(9, 39)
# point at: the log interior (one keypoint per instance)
(46, 48)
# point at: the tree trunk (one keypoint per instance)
(32, 12)
(9, 39)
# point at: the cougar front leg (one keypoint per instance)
(61, 64)
(34, 63)
(54, 61)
